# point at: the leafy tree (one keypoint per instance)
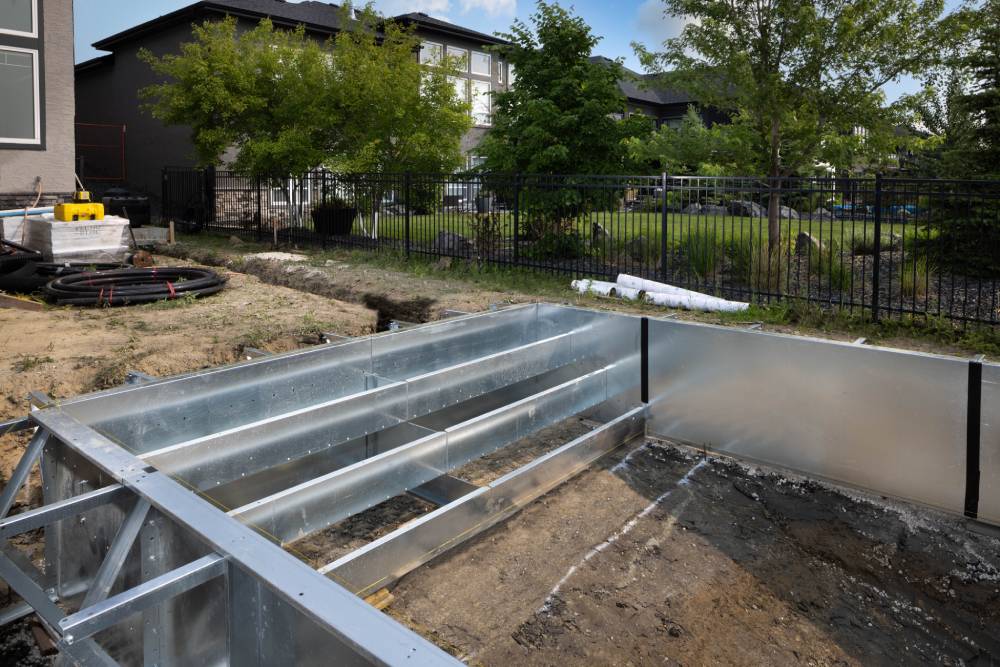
(982, 101)
(802, 75)
(558, 117)
(694, 148)
(943, 126)
(277, 103)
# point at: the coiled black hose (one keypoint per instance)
(130, 286)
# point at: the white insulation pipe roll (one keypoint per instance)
(644, 285)
(595, 287)
(695, 301)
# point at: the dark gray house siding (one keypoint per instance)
(108, 87)
(47, 157)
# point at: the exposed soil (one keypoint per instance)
(668, 559)
(65, 352)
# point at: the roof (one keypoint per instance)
(94, 63)
(314, 15)
(645, 88)
(323, 17)
(429, 22)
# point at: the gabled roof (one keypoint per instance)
(431, 23)
(316, 16)
(645, 88)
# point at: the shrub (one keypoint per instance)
(829, 263)
(702, 251)
(916, 275)
(763, 270)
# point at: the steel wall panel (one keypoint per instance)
(989, 456)
(885, 420)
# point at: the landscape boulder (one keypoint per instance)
(749, 209)
(452, 244)
(789, 213)
(822, 214)
(804, 240)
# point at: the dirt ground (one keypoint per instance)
(666, 558)
(65, 352)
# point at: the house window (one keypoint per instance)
(481, 104)
(481, 63)
(19, 17)
(501, 66)
(461, 88)
(460, 58)
(20, 122)
(430, 53)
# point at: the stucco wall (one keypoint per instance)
(20, 169)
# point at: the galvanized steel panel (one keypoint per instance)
(882, 419)
(989, 456)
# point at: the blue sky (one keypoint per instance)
(618, 22)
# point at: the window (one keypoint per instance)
(481, 63)
(481, 113)
(461, 88)
(430, 53)
(20, 122)
(501, 66)
(19, 17)
(461, 58)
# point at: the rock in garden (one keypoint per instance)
(714, 209)
(452, 243)
(822, 214)
(692, 208)
(788, 212)
(638, 248)
(747, 209)
(598, 232)
(803, 241)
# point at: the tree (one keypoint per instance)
(283, 104)
(982, 101)
(944, 128)
(559, 117)
(694, 148)
(801, 76)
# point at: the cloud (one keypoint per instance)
(655, 24)
(491, 7)
(441, 8)
(397, 7)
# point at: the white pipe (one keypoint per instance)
(595, 287)
(628, 293)
(13, 213)
(644, 285)
(695, 301)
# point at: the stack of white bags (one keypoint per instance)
(638, 289)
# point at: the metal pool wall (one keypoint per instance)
(916, 426)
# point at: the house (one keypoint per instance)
(108, 86)
(645, 95)
(36, 86)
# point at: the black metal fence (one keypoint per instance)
(888, 246)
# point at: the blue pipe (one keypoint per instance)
(31, 211)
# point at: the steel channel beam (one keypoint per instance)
(21, 471)
(107, 574)
(319, 503)
(48, 514)
(385, 560)
(96, 617)
(29, 591)
(221, 458)
(356, 626)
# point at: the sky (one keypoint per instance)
(617, 22)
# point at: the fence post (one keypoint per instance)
(877, 258)
(260, 210)
(517, 218)
(663, 229)
(406, 206)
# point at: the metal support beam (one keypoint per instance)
(21, 472)
(385, 560)
(443, 490)
(106, 576)
(217, 459)
(92, 619)
(48, 514)
(322, 502)
(30, 591)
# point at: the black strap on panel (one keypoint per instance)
(644, 359)
(972, 427)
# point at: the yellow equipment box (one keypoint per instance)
(81, 208)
